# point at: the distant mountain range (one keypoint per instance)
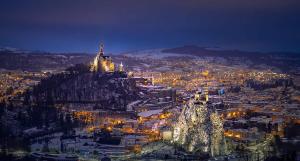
(15, 59)
(206, 51)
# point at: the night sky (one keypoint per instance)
(124, 25)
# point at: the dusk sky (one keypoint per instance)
(124, 25)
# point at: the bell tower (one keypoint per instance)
(101, 52)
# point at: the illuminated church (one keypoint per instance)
(103, 64)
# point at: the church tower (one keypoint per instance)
(101, 52)
(102, 63)
(121, 67)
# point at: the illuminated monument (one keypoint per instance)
(199, 128)
(104, 64)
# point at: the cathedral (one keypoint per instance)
(103, 64)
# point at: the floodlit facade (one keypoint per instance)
(102, 63)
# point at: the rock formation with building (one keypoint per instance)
(199, 128)
(99, 86)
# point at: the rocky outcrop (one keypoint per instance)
(199, 128)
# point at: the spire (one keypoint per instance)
(101, 49)
(121, 67)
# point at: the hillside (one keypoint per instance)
(36, 61)
(109, 91)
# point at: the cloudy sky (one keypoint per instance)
(79, 25)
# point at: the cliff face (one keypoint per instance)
(111, 91)
(199, 129)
